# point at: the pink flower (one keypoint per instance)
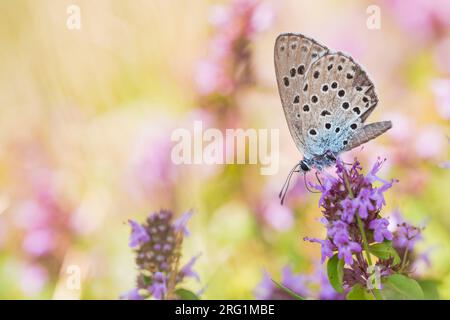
(441, 89)
(430, 142)
(39, 242)
(278, 216)
(33, 279)
(423, 18)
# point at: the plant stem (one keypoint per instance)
(358, 219)
(405, 256)
(365, 243)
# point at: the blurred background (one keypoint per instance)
(86, 117)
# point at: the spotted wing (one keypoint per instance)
(294, 55)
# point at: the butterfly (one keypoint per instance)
(326, 98)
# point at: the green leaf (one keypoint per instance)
(359, 293)
(335, 271)
(288, 291)
(186, 294)
(385, 250)
(429, 288)
(400, 287)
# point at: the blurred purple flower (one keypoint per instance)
(158, 289)
(406, 236)
(138, 235)
(157, 244)
(187, 271)
(131, 295)
(181, 223)
(267, 290)
(445, 165)
(380, 230)
(235, 24)
(277, 216)
(150, 166)
(33, 279)
(39, 242)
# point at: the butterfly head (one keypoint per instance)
(304, 166)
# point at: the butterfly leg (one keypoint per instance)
(306, 184)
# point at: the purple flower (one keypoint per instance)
(133, 294)
(157, 244)
(138, 234)
(186, 270)
(267, 290)
(294, 282)
(348, 210)
(346, 247)
(337, 227)
(181, 223)
(158, 289)
(327, 247)
(406, 236)
(363, 202)
(380, 229)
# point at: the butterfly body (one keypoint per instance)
(326, 98)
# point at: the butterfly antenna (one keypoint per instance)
(306, 185)
(285, 187)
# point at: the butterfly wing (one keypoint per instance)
(294, 54)
(367, 133)
(340, 96)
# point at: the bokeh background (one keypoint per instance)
(86, 117)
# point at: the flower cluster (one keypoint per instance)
(348, 200)
(315, 285)
(356, 234)
(157, 244)
(228, 56)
